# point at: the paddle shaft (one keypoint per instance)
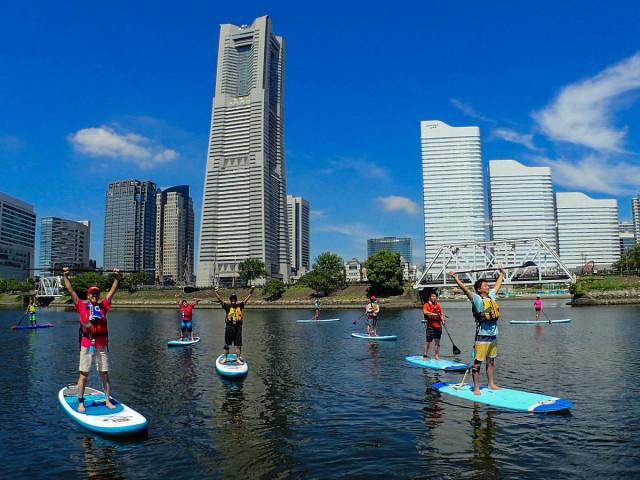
(546, 316)
(23, 316)
(456, 350)
(356, 320)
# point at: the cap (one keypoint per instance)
(373, 297)
(233, 296)
(91, 289)
(538, 296)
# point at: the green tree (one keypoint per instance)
(28, 285)
(629, 261)
(131, 281)
(251, 269)
(82, 281)
(384, 273)
(327, 274)
(14, 285)
(273, 289)
(3, 285)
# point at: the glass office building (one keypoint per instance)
(298, 210)
(17, 238)
(63, 243)
(402, 246)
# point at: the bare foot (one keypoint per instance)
(109, 404)
(224, 360)
(239, 362)
(477, 391)
(438, 357)
(81, 408)
(494, 387)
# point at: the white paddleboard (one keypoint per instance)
(436, 364)
(507, 398)
(231, 368)
(183, 341)
(539, 322)
(121, 420)
(371, 337)
(318, 321)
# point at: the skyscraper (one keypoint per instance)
(174, 235)
(130, 226)
(298, 213)
(393, 244)
(452, 186)
(587, 229)
(244, 207)
(17, 238)
(64, 243)
(521, 203)
(635, 213)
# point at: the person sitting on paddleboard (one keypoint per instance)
(187, 316)
(317, 307)
(94, 334)
(486, 313)
(31, 310)
(432, 312)
(233, 321)
(371, 311)
(537, 304)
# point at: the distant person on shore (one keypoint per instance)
(187, 316)
(371, 310)
(94, 334)
(317, 308)
(31, 310)
(434, 318)
(537, 304)
(486, 313)
(233, 322)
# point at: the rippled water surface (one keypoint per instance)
(318, 403)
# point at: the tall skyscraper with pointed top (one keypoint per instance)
(244, 207)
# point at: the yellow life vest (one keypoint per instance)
(32, 309)
(490, 311)
(235, 315)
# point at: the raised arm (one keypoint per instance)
(114, 285)
(249, 296)
(215, 290)
(498, 284)
(67, 284)
(464, 288)
(177, 299)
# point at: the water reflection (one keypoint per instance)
(100, 462)
(233, 403)
(433, 410)
(538, 338)
(373, 349)
(483, 438)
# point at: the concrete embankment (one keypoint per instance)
(629, 296)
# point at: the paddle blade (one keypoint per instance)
(456, 350)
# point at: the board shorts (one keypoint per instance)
(86, 359)
(485, 346)
(434, 333)
(186, 325)
(32, 317)
(233, 335)
(372, 322)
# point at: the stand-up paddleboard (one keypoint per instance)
(30, 327)
(181, 342)
(507, 398)
(318, 321)
(121, 420)
(539, 322)
(371, 337)
(437, 364)
(231, 368)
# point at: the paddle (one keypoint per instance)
(506, 267)
(22, 319)
(356, 321)
(456, 350)
(546, 316)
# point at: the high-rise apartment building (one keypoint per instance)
(403, 246)
(64, 243)
(298, 213)
(174, 235)
(17, 238)
(521, 203)
(244, 207)
(587, 230)
(635, 213)
(130, 226)
(452, 186)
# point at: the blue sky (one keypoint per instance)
(92, 93)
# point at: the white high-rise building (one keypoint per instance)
(244, 207)
(635, 213)
(452, 186)
(521, 203)
(298, 210)
(587, 230)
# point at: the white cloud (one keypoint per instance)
(359, 232)
(514, 137)
(394, 203)
(363, 167)
(317, 214)
(105, 141)
(469, 111)
(583, 113)
(595, 173)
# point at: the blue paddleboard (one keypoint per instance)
(507, 398)
(181, 342)
(437, 364)
(319, 320)
(121, 420)
(231, 368)
(371, 337)
(539, 322)
(29, 327)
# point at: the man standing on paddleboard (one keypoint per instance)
(317, 308)
(432, 312)
(187, 316)
(372, 308)
(486, 313)
(233, 321)
(94, 334)
(31, 310)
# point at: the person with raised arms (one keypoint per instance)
(187, 317)
(233, 322)
(486, 313)
(94, 334)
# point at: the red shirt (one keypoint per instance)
(187, 312)
(85, 315)
(432, 321)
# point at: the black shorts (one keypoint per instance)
(434, 333)
(233, 335)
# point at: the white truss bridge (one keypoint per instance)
(525, 261)
(49, 287)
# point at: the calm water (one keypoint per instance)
(319, 404)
